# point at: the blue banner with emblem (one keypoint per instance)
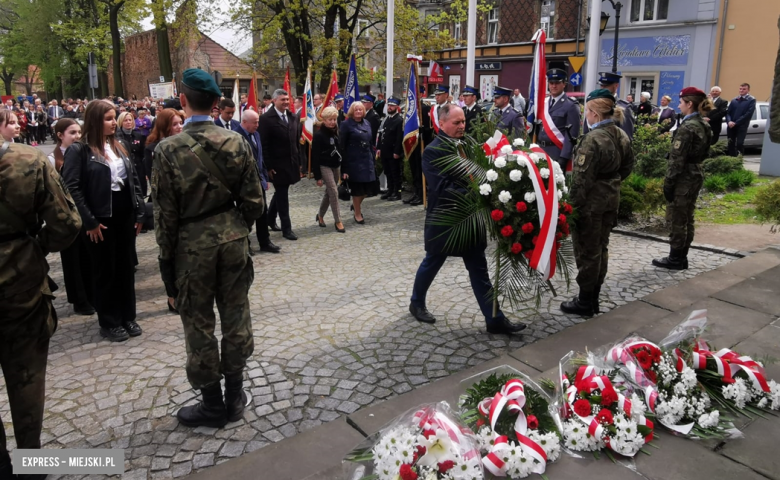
(412, 117)
(351, 93)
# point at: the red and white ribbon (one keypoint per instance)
(492, 146)
(429, 418)
(729, 363)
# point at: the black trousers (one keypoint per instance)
(112, 264)
(263, 235)
(41, 132)
(393, 170)
(415, 165)
(736, 138)
(280, 205)
(77, 271)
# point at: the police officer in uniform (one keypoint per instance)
(565, 114)
(371, 117)
(207, 193)
(37, 216)
(441, 94)
(507, 118)
(603, 159)
(684, 177)
(415, 158)
(471, 109)
(390, 149)
(611, 81)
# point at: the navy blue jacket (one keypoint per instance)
(741, 111)
(356, 145)
(257, 152)
(234, 125)
(440, 194)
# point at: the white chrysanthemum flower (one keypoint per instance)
(560, 194)
(515, 175)
(763, 402)
(637, 406)
(485, 189)
(560, 179)
(774, 395)
(565, 189)
(504, 196)
(544, 172)
(535, 157)
(534, 145)
(518, 142)
(500, 162)
(506, 149)
(491, 175)
(530, 197)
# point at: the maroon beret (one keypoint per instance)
(692, 92)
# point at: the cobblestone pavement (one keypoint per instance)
(332, 334)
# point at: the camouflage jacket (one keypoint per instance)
(690, 145)
(185, 193)
(602, 160)
(31, 188)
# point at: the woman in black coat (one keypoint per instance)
(326, 163)
(358, 165)
(135, 142)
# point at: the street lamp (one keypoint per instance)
(603, 26)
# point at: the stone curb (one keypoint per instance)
(698, 246)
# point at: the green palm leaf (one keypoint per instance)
(465, 217)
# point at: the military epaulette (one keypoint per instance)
(515, 110)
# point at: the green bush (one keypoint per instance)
(719, 149)
(767, 203)
(721, 165)
(630, 202)
(650, 150)
(638, 183)
(715, 184)
(739, 179)
(653, 200)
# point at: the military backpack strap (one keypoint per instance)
(204, 157)
(6, 215)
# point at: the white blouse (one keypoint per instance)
(118, 171)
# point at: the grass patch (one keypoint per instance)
(730, 208)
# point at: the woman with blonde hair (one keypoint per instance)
(602, 160)
(134, 143)
(326, 163)
(356, 142)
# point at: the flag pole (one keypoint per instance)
(390, 50)
(422, 138)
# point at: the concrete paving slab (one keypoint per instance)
(758, 293)
(766, 342)
(588, 467)
(754, 264)
(371, 419)
(291, 459)
(758, 449)
(606, 328)
(686, 293)
(331, 473)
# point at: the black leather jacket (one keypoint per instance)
(88, 178)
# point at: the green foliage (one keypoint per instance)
(630, 202)
(653, 200)
(650, 150)
(739, 179)
(715, 184)
(722, 164)
(768, 204)
(636, 182)
(719, 149)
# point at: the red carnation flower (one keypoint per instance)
(507, 231)
(608, 396)
(656, 355)
(558, 236)
(567, 208)
(446, 465)
(652, 376)
(565, 228)
(528, 228)
(516, 248)
(521, 207)
(528, 254)
(561, 218)
(428, 433)
(480, 422)
(407, 473)
(605, 416)
(644, 359)
(533, 422)
(535, 239)
(582, 407)
(421, 450)
(497, 215)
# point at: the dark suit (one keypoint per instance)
(472, 114)
(565, 114)
(740, 111)
(279, 143)
(717, 116)
(234, 125)
(373, 119)
(669, 116)
(390, 144)
(256, 145)
(441, 187)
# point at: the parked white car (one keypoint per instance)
(755, 133)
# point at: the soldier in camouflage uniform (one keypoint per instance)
(31, 195)
(603, 159)
(684, 177)
(207, 194)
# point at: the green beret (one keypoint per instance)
(200, 81)
(600, 93)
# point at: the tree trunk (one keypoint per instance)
(163, 43)
(8, 80)
(116, 47)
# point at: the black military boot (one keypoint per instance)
(6, 471)
(210, 412)
(596, 293)
(685, 257)
(675, 260)
(235, 396)
(581, 305)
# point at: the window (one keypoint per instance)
(431, 18)
(547, 27)
(492, 30)
(649, 10)
(764, 111)
(363, 25)
(456, 33)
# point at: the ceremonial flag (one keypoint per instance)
(307, 113)
(333, 89)
(411, 118)
(236, 97)
(435, 70)
(287, 81)
(351, 93)
(251, 98)
(538, 109)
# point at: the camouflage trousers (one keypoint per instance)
(26, 323)
(223, 274)
(591, 252)
(680, 212)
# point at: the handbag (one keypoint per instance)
(344, 192)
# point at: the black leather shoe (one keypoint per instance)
(408, 200)
(116, 334)
(275, 227)
(83, 309)
(596, 305)
(289, 235)
(504, 326)
(579, 306)
(133, 329)
(270, 248)
(422, 314)
(359, 222)
(384, 195)
(675, 261)
(210, 412)
(394, 197)
(416, 201)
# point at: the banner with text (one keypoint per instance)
(161, 90)
(646, 51)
